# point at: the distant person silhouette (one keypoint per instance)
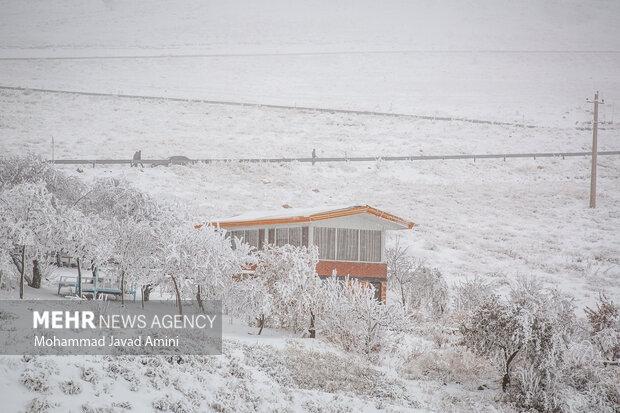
(137, 159)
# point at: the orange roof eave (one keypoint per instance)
(317, 217)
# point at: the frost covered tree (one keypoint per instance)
(131, 251)
(31, 169)
(299, 292)
(402, 269)
(247, 297)
(287, 275)
(197, 260)
(127, 234)
(526, 336)
(416, 286)
(352, 317)
(29, 219)
(64, 189)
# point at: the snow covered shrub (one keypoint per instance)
(39, 405)
(167, 404)
(333, 372)
(268, 360)
(122, 405)
(588, 384)
(88, 374)
(605, 327)
(470, 294)
(416, 287)
(236, 396)
(36, 381)
(70, 387)
(530, 337)
(432, 291)
(449, 365)
(352, 317)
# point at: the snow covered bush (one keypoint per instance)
(468, 295)
(449, 365)
(284, 291)
(417, 288)
(39, 405)
(36, 380)
(605, 328)
(353, 318)
(70, 387)
(531, 338)
(333, 372)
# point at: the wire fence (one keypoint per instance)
(182, 160)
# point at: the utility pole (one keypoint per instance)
(594, 150)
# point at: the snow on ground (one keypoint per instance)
(89, 127)
(532, 63)
(493, 60)
(552, 87)
(273, 372)
(495, 219)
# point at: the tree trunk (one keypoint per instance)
(178, 295)
(58, 260)
(79, 280)
(506, 378)
(312, 329)
(147, 292)
(261, 320)
(199, 299)
(36, 275)
(18, 264)
(123, 288)
(23, 269)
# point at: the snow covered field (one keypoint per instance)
(495, 60)
(531, 63)
(497, 220)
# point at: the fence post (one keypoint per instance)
(313, 156)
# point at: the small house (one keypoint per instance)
(350, 239)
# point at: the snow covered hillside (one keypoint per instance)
(276, 371)
(512, 218)
(493, 60)
(497, 220)
(243, 79)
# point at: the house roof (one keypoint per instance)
(306, 215)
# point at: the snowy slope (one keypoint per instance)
(107, 127)
(272, 372)
(533, 62)
(497, 220)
